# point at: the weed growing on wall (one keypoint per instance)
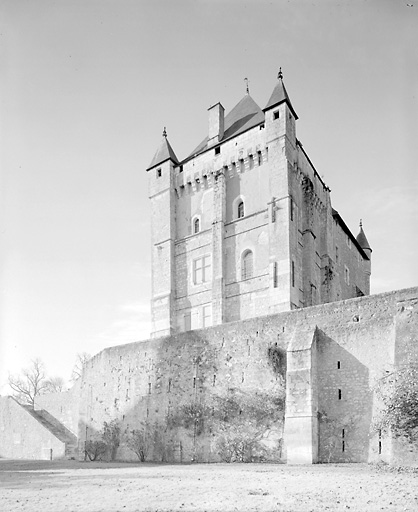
(277, 359)
(190, 416)
(398, 394)
(111, 437)
(244, 426)
(243, 422)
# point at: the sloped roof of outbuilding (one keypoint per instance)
(245, 115)
(163, 153)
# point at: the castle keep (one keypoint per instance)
(244, 226)
(263, 326)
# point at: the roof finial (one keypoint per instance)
(280, 75)
(164, 132)
(247, 85)
(361, 223)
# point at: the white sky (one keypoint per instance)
(86, 89)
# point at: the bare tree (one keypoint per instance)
(30, 383)
(55, 385)
(80, 363)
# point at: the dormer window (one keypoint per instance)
(240, 209)
(159, 173)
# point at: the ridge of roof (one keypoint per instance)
(163, 153)
(278, 96)
(345, 228)
(245, 115)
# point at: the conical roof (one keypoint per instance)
(362, 240)
(245, 115)
(279, 95)
(163, 153)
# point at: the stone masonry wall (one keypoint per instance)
(151, 380)
(24, 437)
(64, 406)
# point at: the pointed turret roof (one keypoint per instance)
(361, 239)
(279, 95)
(163, 153)
(245, 115)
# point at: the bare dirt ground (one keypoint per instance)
(60, 486)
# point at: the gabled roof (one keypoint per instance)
(362, 240)
(279, 95)
(245, 115)
(163, 153)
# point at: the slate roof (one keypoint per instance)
(163, 153)
(344, 227)
(279, 95)
(362, 240)
(245, 115)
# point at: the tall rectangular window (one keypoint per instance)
(347, 275)
(241, 165)
(207, 316)
(275, 276)
(187, 321)
(293, 273)
(259, 158)
(247, 265)
(202, 270)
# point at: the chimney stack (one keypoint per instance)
(216, 124)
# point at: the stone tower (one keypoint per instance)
(244, 226)
(162, 196)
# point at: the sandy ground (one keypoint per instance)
(56, 486)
